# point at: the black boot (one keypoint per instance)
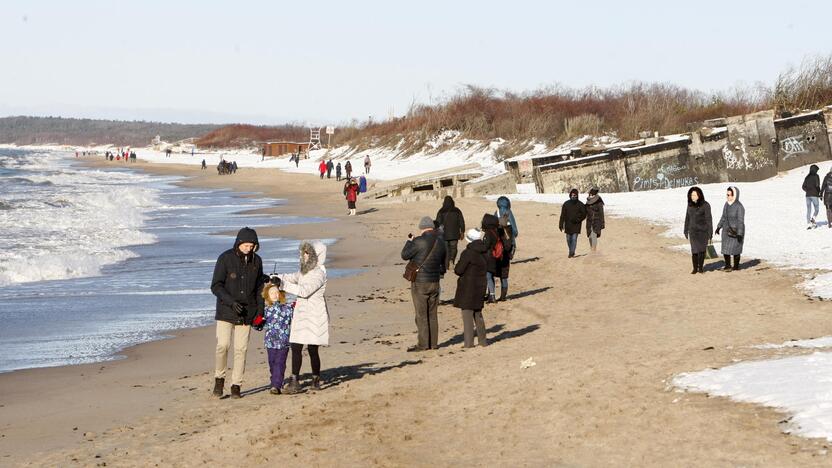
(235, 391)
(503, 293)
(491, 299)
(736, 262)
(316, 382)
(293, 386)
(694, 258)
(219, 385)
(702, 262)
(727, 266)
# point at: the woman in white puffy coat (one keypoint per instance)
(310, 322)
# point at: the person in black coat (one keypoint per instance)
(826, 196)
(572, 214)
(497, 256)
(428, 252)
(329, 168)
(699, 228)
(470, 287)
(237, 283)
(450, 219)
(594, 218)
(812, 189)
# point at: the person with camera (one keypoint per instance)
(732, 225)
(426, 255)
(237, 283)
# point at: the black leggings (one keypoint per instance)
(297, 358)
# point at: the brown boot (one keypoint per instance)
(235, 391)
(219, 385)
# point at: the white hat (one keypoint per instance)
(473, 234)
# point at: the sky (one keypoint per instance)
(329, 62)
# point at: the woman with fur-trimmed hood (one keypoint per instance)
(699, 225)
(732, 225)
(310, 322)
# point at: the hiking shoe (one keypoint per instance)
(274, 391)
(292, 387)
(235, 391)
(316, 382)
(415, 349)
(491, 299)
(219, 385)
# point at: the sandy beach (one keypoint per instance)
(607, 333)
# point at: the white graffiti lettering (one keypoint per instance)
(793, 146)
(742, 160)
(662, 182)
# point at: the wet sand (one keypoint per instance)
(607, 333)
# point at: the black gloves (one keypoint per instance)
(238, 308)
(717, 230)
(686, 235)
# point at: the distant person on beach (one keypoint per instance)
(237, 283)
(338, 172)
(572, 215)
(278, 322)
(362, 184)
(508, 223)
(310, 320)
(329, 168)
(698, 228)
(263, 158)
(348, 169)
(204, 165)
(450, 219)
(367, 164)
(594, 218)
(497, 257)
(826, 196)
(351, 193)
(322, 169)
(428, 252)
(297, 159)
(732, 225)
(811, 187)
(234, 167)
(471, 286)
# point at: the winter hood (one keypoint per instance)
(503, 203)
(813, 169)
(478, 246)
(698, 192)
(736, 193)
(317, 256)
(448, 203)
(247, 234)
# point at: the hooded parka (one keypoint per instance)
(732, 221)
(239, 278)
(310, 320)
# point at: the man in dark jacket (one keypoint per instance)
(237, 283)
(450, 219)
(572, 214)
(329, 168)
(428, 251)
(811, 186)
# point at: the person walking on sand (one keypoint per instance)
(427, 251)
(698, 228)
(508, 223)
(204, 165)
(497, 257)
(367, 164)
(237, 283)
(338, 172)
(732, 225)
(310, 319)
(826, 196)
(470, 287)
(452, 222)
(351, 193)
(348, 169)
(278, 322)
(594, 218)
(322, 169)
(572, 214)
(811, 186)
(329, 168)
(297, 159)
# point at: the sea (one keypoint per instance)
(93, 261)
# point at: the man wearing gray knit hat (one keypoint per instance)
(427, 252)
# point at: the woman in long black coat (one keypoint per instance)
(699, 226)
(471, 269)
(497, 267)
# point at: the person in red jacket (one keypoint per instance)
(322, 168)
(351, 193)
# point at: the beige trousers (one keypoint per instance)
(224, 332)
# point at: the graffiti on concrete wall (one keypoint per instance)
(793, 146)
(740, 157)
(666, 177)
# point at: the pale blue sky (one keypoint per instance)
(330, 61)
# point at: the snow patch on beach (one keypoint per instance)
(800, 386)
